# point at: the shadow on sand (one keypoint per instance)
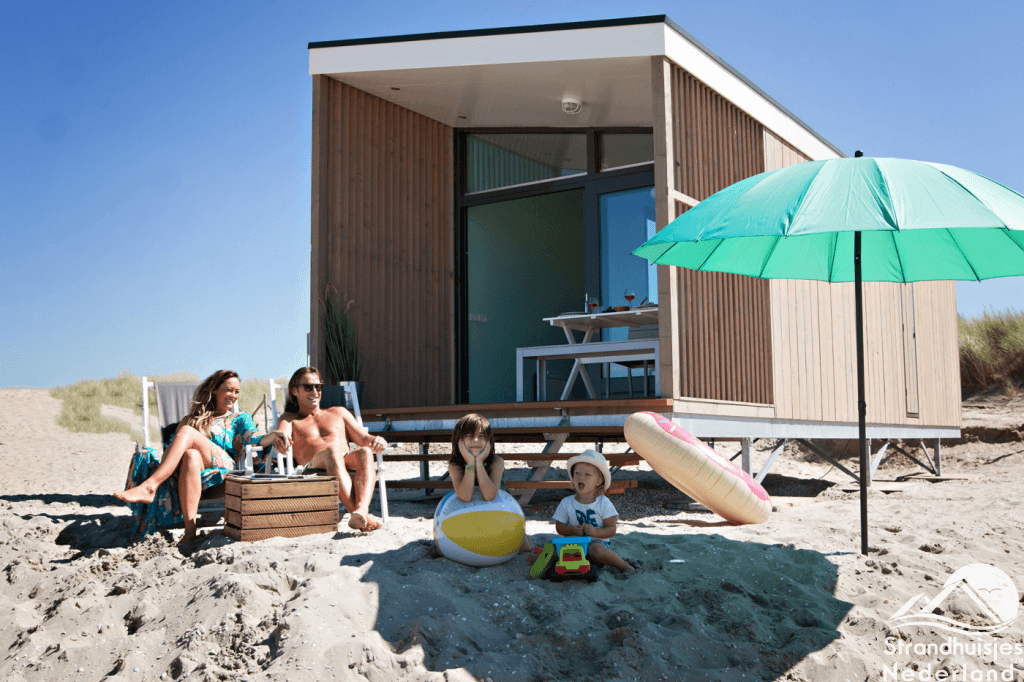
(92, 501)
(703, 608)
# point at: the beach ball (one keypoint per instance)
(479, 533)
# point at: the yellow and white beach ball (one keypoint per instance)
(479, 533)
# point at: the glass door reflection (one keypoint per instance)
(627, 220)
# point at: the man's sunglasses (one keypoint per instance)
(309, 388)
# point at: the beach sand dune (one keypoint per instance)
(789, 599)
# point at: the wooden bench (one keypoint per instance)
(601, 423)
(616, 488)
(406, 424)
(577, 434)
(614, 460)
(594, 352)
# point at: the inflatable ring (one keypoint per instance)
(479, 533)
(697, 470)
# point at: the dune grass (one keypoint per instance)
(992, 351)
(80, 412)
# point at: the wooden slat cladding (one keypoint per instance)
(938, 353)
(383, 216)
(813, 336)
(814, 343)
(724, 319)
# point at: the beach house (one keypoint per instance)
(471, 189)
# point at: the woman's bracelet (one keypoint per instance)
(471, 469)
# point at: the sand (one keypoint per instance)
(790, 599)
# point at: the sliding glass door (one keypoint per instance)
(627, 221)
(525, 263)
(547, 218)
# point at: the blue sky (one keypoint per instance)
(155, 173)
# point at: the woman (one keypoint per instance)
(204, 448)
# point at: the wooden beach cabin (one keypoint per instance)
(468, 186)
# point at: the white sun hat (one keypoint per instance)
(594, 458)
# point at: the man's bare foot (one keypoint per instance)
(364, 522)
(140, 493)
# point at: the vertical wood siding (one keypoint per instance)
(382, 234)
(724, 319)
(938, 353)
(814, 344)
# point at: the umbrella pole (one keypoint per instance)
(862, 406)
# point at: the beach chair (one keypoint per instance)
(172, 402)
(344, 395)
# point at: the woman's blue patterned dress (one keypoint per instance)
(231, 433)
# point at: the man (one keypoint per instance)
(320, 440)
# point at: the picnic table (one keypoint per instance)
(588, 351)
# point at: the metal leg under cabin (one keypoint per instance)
(745, 451)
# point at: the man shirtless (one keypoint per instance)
(320, 440)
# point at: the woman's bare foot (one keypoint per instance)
(189, 535)
(141, 493)
(364, 522)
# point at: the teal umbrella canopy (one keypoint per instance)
(852, 220)
(919, 221)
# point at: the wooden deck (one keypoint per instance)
(551, 422)
(588, 421)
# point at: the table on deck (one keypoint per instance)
(587, 352)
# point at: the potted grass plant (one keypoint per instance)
(343, 361)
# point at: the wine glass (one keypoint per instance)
(592, 303)
(629, 296)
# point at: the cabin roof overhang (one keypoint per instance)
(517, 77)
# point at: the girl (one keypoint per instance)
(475, 464)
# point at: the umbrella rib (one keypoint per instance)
(768, 257)
(710, 253)
(899, 256)
(976, 197)
(834, 238)
(956, 243)
(888, 195)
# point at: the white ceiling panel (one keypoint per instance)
(615, 92)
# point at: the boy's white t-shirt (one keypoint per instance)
(573, 513)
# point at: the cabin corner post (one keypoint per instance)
(319, 217)
(664, 185)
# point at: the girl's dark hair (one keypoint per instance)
(470, 425)
(290, 403)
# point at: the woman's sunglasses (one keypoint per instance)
(309, 388)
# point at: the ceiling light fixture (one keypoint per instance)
(571, 105)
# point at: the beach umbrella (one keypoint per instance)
(851, 220)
